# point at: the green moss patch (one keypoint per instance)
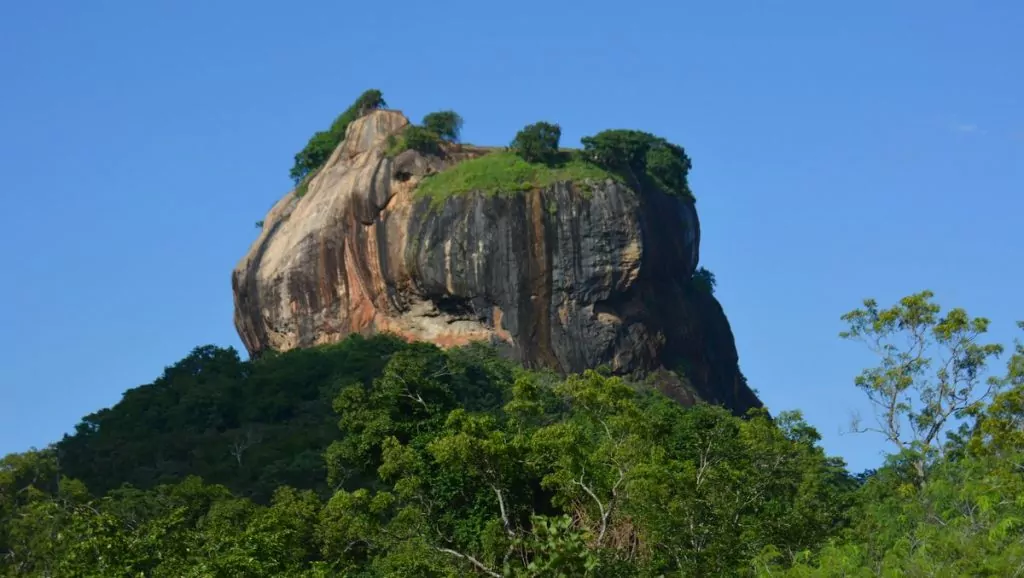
(506, 173)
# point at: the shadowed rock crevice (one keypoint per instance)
(558, 277)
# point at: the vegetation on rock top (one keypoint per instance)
(538, 143)
(322, 144)
(504, 173)
(640, 159)
(643, 157)
(429, 136)
(534, 160)
(446, 124)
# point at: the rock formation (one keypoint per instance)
(574, 276)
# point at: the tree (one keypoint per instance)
(669, 166)
(619, 150)
(538, 142)
(931, 373)
(456, 462)
(640, 155)
(704, 280)
(446, 124)
(421, 139)
(210, 407)
(243, 442)
(322, 143)
(368, 101)
(314, 154)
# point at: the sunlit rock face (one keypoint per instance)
(570, 277)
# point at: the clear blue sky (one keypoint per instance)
(841, 150)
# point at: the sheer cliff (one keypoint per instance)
(573, 275)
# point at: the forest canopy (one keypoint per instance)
(377, 457)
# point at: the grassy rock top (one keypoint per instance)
(506, 173)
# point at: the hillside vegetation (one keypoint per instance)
(375, 457)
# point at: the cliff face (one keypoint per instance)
(570, 277)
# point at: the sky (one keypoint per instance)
(841, 150)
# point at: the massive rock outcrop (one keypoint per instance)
(574, 276)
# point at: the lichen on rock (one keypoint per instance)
(571, 274)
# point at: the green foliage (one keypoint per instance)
(931, 371)
(427, 138)
(641, 156)
(453, 463)
(323, 143)
(303, 187)
(704, 280)
(938, 507)
(251, 426)
(538, 143)
(506, 174)
(421, 139)
(415, 138)
(442, 463)
(446, 124)
(570, 479)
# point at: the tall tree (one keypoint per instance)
(932, 371)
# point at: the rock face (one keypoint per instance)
(571, 277)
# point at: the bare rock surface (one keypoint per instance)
(570, 277)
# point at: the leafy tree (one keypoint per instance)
(446, 124)
(704, 280)
(620, 149)
(322, 144)
(920, 388)
(966, 519)
(538, 142)
(421, 139)
(368, 101)
(314, 154)
(251, 426)
(517, 492)
(669, 166)
(641, 156)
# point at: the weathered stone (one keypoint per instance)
(561, 277)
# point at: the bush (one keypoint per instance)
(538, 142)
(446, 124)
(323, 143)
(417, 138)
(618, 149)
(421, 139)
(641, 155)
(314, 155)
(368, 101)
(669, 166)
(704, 280)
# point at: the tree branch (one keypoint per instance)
(479, 565)
(600, 506)
(504, 514)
